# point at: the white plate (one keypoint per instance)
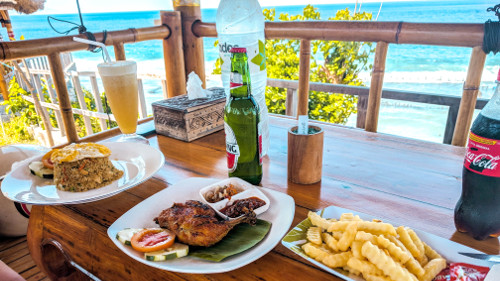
(139, 162)
(446, 248)
(280, 214)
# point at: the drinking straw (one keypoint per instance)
(95, 43)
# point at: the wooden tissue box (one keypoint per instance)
(187, 120)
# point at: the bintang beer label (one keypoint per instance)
(241, 123)
(483, 156)
(232, 149)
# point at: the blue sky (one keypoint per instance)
(102, 6)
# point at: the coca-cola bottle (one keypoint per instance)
(478, 210)
(241, 123)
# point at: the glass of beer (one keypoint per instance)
(119, 79)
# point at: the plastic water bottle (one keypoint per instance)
(240, 23)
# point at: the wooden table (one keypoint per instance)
(410, 182)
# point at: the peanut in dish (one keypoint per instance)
(221, 192)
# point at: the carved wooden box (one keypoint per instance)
(187, 120)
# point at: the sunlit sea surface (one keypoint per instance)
(432, 69)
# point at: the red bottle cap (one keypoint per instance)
(238, 50)
(498, 75)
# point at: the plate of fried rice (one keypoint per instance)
(129, 163)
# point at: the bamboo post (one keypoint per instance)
(469, 96)
(192, 44)
(375, 95)
(38, 106)
(304, 67)
(173, 55)
(7, 24)
(119, 51)
(3, 84)
(57, 72)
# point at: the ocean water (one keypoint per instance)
(433, 69)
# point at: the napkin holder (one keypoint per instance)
(188, 120)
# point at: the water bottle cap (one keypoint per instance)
(238, 50)
(498, 75)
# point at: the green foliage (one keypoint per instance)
(334, 62)
(18, 106)
(23, 115)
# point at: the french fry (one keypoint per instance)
(385, 263)
(314, 235)
(330, 241)
(349, 217)
(405, 238)
(395, 251)
(414, 267)
(315, 251)
(337, 260)
(364, 266)
(348, 236)
(365, 236)
(338, 226)
(432, 268)
(377, 228)
(356, 249)
(317, 220)
(372, 249)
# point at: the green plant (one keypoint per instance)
(334, 62)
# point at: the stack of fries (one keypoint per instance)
(373, 249)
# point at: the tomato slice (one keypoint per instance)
(46, 160)
(152, 239)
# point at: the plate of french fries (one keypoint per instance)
(358, 247)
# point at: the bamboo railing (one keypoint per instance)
(384, 33)
(182, 31)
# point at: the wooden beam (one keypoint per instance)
(304, 67)
(375, 96)
(57, 72)
(173, 55)
(469, 96)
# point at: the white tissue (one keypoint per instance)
(194, 87)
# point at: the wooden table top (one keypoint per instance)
(408, 182)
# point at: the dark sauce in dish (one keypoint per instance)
(242, 206)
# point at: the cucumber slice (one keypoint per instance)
(125, 235)
(177, 250)
(38, 169)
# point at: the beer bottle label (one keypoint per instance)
(483, 156)
(232, 148)
(236, 80)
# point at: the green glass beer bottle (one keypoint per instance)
(241, 123)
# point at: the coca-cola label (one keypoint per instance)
(236, 80)
(483, 156)
(232, 148)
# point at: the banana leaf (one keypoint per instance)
(241, 238)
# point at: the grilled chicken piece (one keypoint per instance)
(196, 224)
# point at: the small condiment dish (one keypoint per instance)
(247, 191)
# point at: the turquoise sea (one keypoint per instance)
(433, 69)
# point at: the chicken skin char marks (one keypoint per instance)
(197, 224)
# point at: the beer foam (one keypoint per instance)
(117, 68)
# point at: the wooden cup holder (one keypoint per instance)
(305, 155)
